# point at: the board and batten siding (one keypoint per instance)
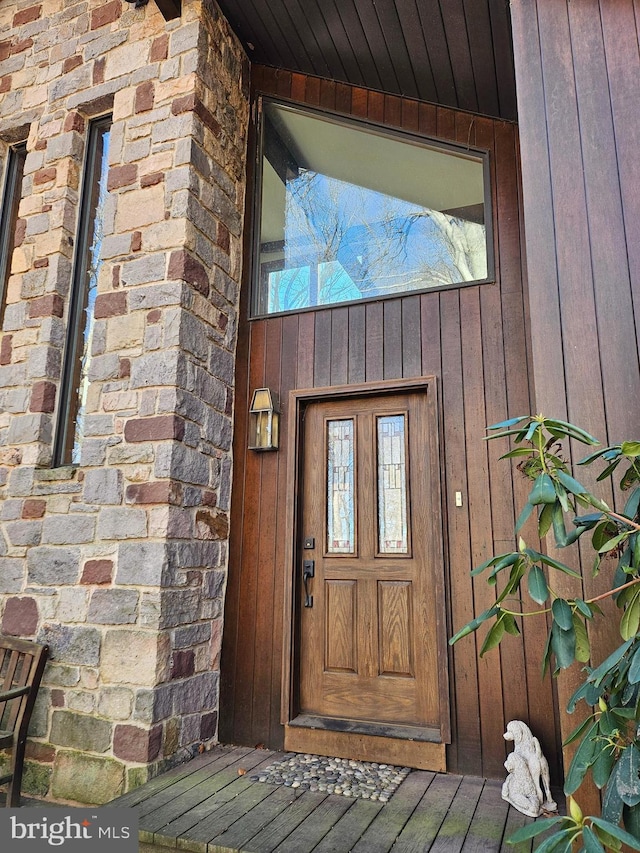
(473, 339)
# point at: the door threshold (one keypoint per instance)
(421, 755)
(428, 734)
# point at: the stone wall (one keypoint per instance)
(119, 563)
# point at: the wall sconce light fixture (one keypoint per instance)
(263, 421)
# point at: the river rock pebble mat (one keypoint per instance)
(348, 778)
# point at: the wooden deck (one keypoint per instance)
(210, 805)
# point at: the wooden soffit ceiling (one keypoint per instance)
(457, 53)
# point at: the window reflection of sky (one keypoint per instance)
(93, 268)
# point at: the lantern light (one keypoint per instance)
(263, 421)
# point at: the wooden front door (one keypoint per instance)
(372, 668)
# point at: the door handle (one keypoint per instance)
(308, 571)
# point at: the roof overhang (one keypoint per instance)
(457, 53)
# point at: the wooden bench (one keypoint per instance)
(21, 667)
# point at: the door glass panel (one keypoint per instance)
(392, 485)
(340, 487)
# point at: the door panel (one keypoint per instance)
(369, 640)
(396, 628)
(341, 651)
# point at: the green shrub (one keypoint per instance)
(609, 739)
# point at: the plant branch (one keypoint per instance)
(527, 612)
(612, 591)
(623, 519)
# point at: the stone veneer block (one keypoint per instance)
(36, 780)
(34, 508)
(68, 530)
(53, 566)
(20, 617)
(103, 486)
(144, 270)
(75, 645)
(130, 657)
(80, 731)
(209, 727)
(122, 523)
(24, 532)
(140, 207)
(111, 304)
(39, 725)
(61, 676)
(199, 692)
(116, 703)
(86, 778)
(141, 563)
(154, 429)
(131, 743)
(113, 607)
(12, 572)
(160, 492)
(97, 572)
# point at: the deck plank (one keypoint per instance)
(185, 795)
(208, 762)
(309, 834)
(249, 794)
(487, 827)
(175, 789)
(514, 821)
(452, 833)
(349, 829)
(239, 833)
(424, 823)
(201, 803)
(285, 823)
(384, 830)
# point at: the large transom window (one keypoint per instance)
(347, 212)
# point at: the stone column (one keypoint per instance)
(120, 562)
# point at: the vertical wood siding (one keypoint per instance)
(578, 66)
(473, 339)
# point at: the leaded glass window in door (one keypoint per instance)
(340, 487)
(392, 485)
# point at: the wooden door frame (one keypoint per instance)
(298, 399)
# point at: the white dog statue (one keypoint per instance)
(526, 766)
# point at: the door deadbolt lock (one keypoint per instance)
(308, 571)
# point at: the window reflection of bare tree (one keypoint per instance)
(464, 242)
(346, 242)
